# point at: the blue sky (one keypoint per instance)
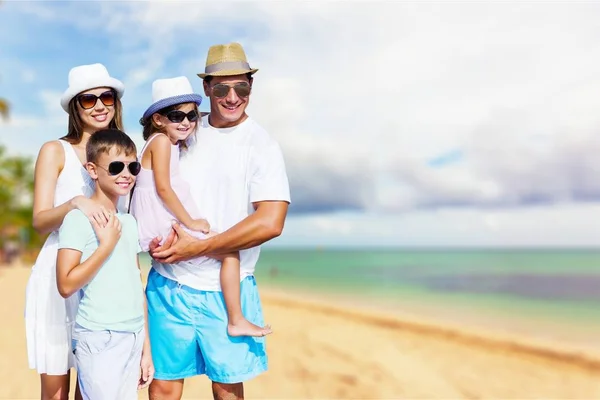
(402, 124)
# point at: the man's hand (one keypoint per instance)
(178, 246)
(155, 247)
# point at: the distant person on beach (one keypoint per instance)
(162, 196)
(238, 180)
(100, 261)
(62, 184)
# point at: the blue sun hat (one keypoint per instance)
(169, 92)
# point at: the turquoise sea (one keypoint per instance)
(558, 284)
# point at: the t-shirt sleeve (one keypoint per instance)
(269, 181)
(135, 235)
(74, 231)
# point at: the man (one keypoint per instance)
(238, 180)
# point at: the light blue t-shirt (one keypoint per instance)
(113, 299)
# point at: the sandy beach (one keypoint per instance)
(325, 349)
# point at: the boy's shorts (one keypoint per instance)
(188, 332)
(108, 363)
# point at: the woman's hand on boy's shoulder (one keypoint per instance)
(92, 209)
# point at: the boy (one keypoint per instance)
(110, 339)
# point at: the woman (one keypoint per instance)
(62, 184)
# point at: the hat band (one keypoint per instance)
(228, 65)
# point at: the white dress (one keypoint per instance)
(48, 317)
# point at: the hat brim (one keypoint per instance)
(229, 72)
(73, 91)
(171, 101)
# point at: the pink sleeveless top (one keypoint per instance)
(153, 218)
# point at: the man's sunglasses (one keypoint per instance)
(88, 100)
(116, 167)
(221, 90)
(178, 116)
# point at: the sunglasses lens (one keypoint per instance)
(115, 167)
(135, 168)
(176, 116)
(87, 101)
(192, 116)
(220, 90)
(108, 98)
(242, 89)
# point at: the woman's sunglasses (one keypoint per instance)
(116, 167)
(88, 100)
(178, 116)
(221, 90)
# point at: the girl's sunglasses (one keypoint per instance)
(178, 116)
(88, 100)
(116, 167)
(221, 90)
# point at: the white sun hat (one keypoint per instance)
(86, 77)
(168, 92)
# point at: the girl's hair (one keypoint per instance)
(75, 131)
(150, 126)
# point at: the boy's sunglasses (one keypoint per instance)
(88, 100)
(221, 90)
(116, 167)
(178, 116)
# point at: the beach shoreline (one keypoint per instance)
(584, 354)
(325, 347)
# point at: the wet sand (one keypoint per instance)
(324, 349)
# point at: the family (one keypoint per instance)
(201, 196)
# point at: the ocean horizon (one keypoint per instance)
(557, 284)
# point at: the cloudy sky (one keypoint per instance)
(402, 123)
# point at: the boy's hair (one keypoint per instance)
(104, 140)
(75, 131)
(150, 126)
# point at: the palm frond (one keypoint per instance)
(4, 108)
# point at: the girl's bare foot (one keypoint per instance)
(243, 327)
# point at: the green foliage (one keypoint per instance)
(16, 198)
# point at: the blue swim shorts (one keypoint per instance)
(188, 332)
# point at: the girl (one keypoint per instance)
(161, 195)
(62, 184)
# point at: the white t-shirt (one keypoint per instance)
(228, 169)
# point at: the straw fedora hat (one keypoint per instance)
(226, 60)
(86, 77)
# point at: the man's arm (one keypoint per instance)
(263, 225)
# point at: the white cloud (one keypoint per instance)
(25, 134)
(542, 226)
(51, 103)
(361, 95)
